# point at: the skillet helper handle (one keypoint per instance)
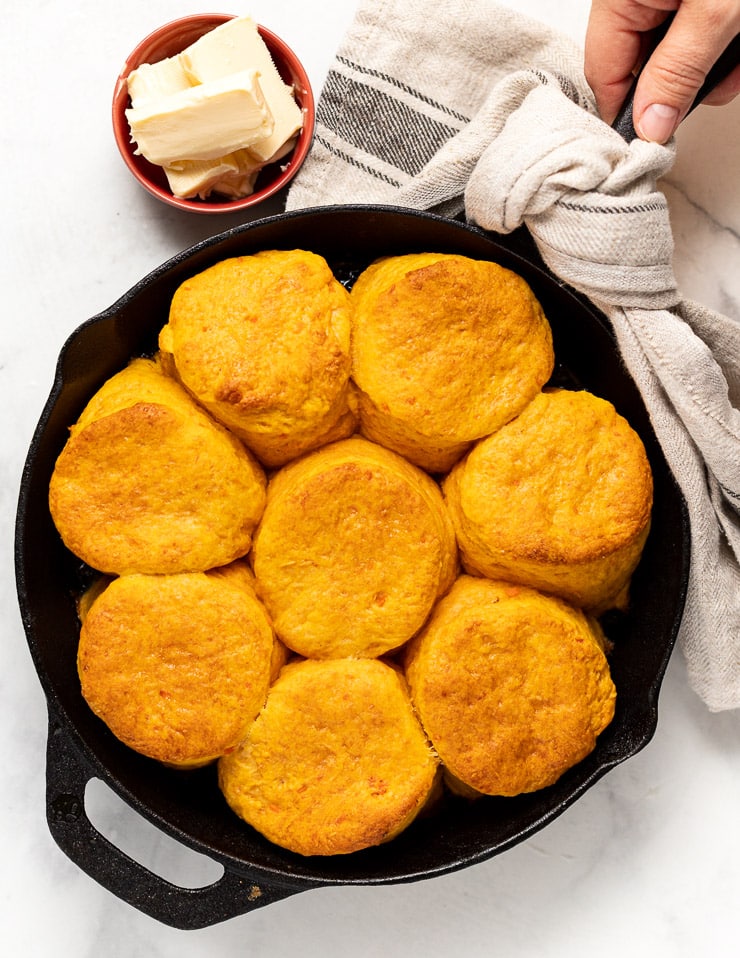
(67, 774)
(624, 121)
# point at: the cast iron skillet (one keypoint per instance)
(188, 805)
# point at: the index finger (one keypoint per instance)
(617, 38)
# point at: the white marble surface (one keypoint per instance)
(646, 863)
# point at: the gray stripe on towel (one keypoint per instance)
(394, 81)
(395, 133)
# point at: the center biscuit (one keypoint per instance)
(352, 551)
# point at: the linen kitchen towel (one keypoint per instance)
(467, 106)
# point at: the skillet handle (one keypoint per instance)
(67, 774)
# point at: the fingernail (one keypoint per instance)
(658, 123)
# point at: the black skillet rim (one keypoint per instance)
(384, 865)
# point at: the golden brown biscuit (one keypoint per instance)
(354, 547)
(559, 499)
(512, 686)
(262, 341)
(177, 666)
(336, 761)
(445, 349)
(148, 482)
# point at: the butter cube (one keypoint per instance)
(152, 81)
(203, 122)
(189, 178)
(237, 45)
(229, 48)
(235, 185)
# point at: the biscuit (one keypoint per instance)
(445, 349)
(262, 341)
(354, 547)
(177, 666)
(559, 498)
(148, 482)
(336, 761)
(512, 686)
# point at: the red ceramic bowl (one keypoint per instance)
(171, 39)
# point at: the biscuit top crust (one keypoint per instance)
(353, 548)
(512, 686)
(263, 341)
(568, 479)
(450, 345)
(177, 665)
(149, 483)
(336, 761)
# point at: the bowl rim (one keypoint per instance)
(290, 164)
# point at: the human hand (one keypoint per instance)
(616, 41)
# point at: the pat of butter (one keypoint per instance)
(203, 122)
(235, 185)
(151, 81)
(190, 178)
(231, 47)
(227, 49)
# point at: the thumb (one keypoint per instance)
(678, 67)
